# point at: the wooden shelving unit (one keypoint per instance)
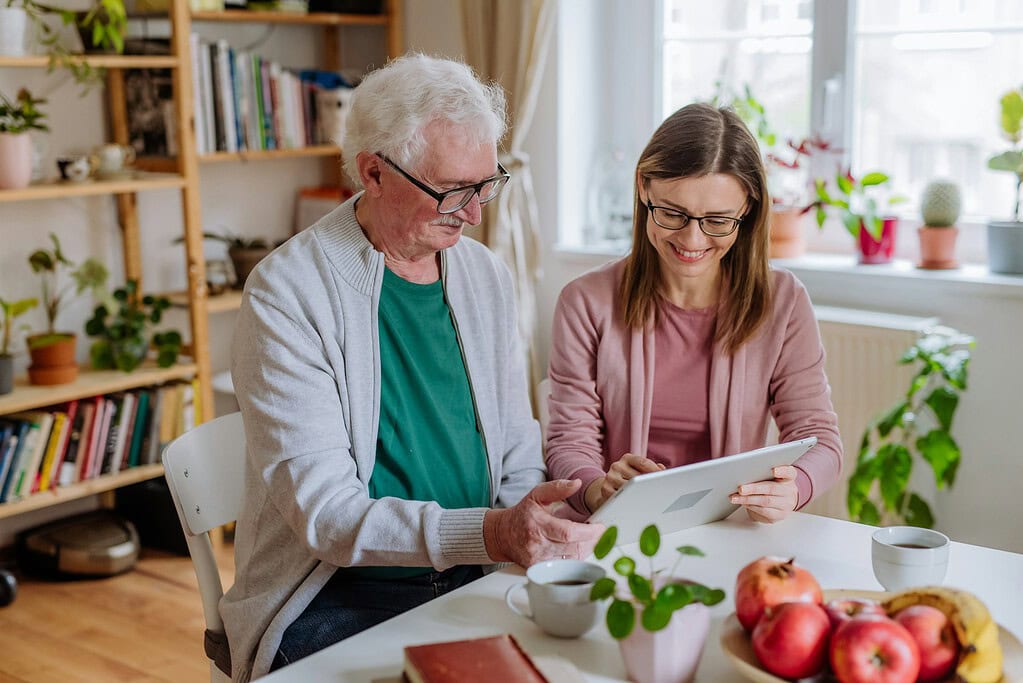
(270, 154)
(57, 189)
(107, 482)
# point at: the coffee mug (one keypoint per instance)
(908, 556)
(111, 159)
(74, 167)
(559, 596)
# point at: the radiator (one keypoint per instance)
(862, 351)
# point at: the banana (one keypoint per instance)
(976, 631)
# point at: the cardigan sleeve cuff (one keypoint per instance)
(578, 499)
(461, 537)
(804, 485)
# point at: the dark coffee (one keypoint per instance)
(911, 545)
(569, 582)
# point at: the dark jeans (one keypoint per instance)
(346, 606)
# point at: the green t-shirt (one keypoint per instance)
(428, 444)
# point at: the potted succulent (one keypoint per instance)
(1005, 238)
(244, 252)
(861, 211)
(939, 209)
(53, 352)
(17, 118)
(11, 310)
(674, 613)
(918, 426)
(124, 336)
(101, 25)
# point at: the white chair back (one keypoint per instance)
(205, 470)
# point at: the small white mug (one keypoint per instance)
(908, 556)
(559, 596)
(111, 159)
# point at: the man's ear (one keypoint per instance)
(370, 169)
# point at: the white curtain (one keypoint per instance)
(507, 41)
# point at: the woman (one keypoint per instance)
(680, 351)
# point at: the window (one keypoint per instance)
(909, 87)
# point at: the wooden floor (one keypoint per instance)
(144, 625)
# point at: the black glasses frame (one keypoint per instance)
(736, 222)
(501, 178)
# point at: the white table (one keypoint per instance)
(837, 552)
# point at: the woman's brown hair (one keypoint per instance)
(696, 141)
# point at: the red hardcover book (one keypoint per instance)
(498, 659)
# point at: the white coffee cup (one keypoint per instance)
(112, 158)
(907, 556)
(559, 596)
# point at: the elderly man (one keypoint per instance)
(391, 449)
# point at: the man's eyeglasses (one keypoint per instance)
(712, 226)
(453, 200)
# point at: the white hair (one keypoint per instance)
(392, 106)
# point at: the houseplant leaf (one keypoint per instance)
(625, 566)
(898, 465)
(942, 402)
(941, 451)
(621, 617)
(918, 512)
(650, 541)
(641, 588)
(655, 617)
(606, 543)
(603, 588)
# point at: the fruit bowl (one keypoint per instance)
(737, 646)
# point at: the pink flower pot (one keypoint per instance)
(938, 248)
(878, 251)
(670, 655)
(15, 160)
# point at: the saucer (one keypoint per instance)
(123, 174)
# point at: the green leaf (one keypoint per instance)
(650, 541)
(852, 224)
(606, 543)
(896, 468)
(844, 184)
(868, 469)
(919, 382)
(655, 617)
(939, 449)
(166, 356)
(918, 512)
(603, 588)
(892, 419)
(690, 550)
(674, 596)
(869, 514)
(101, 355)
(711, 596)
(621, 617)
(625, 566)
(875, 178)
(641, 588)
(943, 401)
(1010, 161)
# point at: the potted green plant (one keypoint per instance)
(1005, 238)
(17, 118)
(11, 310)
(674, 612)
(124, 336)
(244, 252)
(939, 210)
(101, 24)
(53, 352)
(860, 206)
(919, 426)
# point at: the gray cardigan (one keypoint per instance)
(306, 369)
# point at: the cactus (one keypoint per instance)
(939, 204)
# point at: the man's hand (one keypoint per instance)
(771, 500)
(627, 467)
(528, 533)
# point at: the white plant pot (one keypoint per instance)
(13, 28)
(15, 160)
(1005, 247)
(670, 655)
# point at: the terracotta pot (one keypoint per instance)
(874, 251)
(670, 655)
(15, 160)
(787, 239)
(53, 362)
(938, 247)
(6, 374)
(244, 260)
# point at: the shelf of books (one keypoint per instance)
(310, 18)
(265, 154)
(101, 432)
(133, 182)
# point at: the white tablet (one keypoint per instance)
(691, 495)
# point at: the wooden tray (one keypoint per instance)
(739, 649)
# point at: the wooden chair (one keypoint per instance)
(205, 470)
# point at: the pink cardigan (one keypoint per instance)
(602, 377)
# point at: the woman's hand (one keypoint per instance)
(627, 467)
(771, 500)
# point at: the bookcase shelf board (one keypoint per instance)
(140, 182)
(90, 383)
(231, 300)
(97, 61)
(62, 494)
(312, 18)
(269, 154)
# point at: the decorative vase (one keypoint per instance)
(53, 358)
(244, 260)
(15, 160)
(670, 655)
(13, 28)
(1005, 247)
(938, 247)
(874, 251)
(787, 239)
(6, 374)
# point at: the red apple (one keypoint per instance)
(771, 581)
(842, 610)
(791, 639)
(939, 648)
(874, 649)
